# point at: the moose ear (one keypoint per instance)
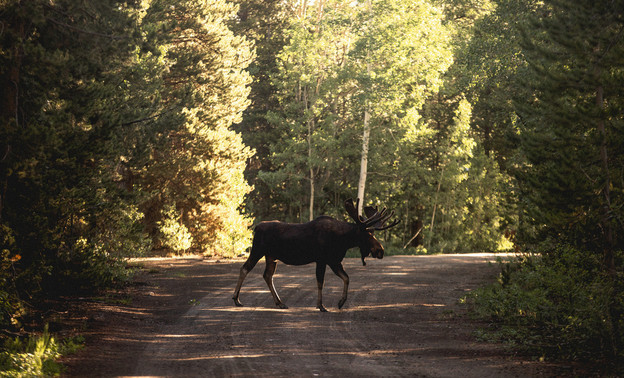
(351, 209)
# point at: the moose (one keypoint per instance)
(323, 241)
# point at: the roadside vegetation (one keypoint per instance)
(36, 355)
(559, 305)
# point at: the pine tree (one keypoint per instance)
(198, 161)
(264, 23)
(571, 134)
(65, 221)
(571, 128)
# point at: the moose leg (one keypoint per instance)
(320, 278)
(340, 272)
(245, 269)
(271, 264)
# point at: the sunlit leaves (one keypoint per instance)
(197, 166)
(341, 59)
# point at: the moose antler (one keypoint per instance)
(397, 221)
(375, 219)
(352, 208)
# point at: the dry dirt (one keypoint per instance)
(402, 318)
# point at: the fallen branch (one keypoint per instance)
(413, 237)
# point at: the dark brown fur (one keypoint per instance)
(323, 241)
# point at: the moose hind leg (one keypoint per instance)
(320, 278)
(271, 265)
(340, 272)
(245, 269)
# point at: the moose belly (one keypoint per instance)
(295, 259)
(296, 255)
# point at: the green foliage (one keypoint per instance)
(97, 258)
(36, 355)
(72, 345)
(196, 163)
(558, 306)
(571, 127)
(425, 159)
(33, 357)
(66, 219)
(264, 23)
(494, 125)
(561, 63)
(460, 196)
(110, 112)
(174, 235)
(234, 234)
(10, 306)
(341, 60)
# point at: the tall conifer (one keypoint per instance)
(572, 130)
(64, 221)
(572, 126)
(195, 176)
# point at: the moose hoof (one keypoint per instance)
(282, 306)
(323, 309)
(237, 302)
(341, 303)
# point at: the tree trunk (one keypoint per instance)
(302, 9)
(310, 129)
(608, 256)
(435, 207)
(364, 161)
(310, 123)
(365, 140)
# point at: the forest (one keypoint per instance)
(133, 127)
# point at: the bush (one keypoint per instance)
(173, 234)
(97, 260)
(560, 305)
(34, 357)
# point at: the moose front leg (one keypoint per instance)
(320, 278)
(340, 272)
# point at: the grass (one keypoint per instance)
(36, 356)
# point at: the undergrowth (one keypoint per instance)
(561, 305)
(36, 356)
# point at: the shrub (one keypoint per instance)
(173, 234)
(560, 305)
(97, 260)
(34, 357)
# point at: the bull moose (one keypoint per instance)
(323, 241)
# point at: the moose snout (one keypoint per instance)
(378, 253)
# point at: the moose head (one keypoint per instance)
(374, 220)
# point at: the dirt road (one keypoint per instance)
(402, 318)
